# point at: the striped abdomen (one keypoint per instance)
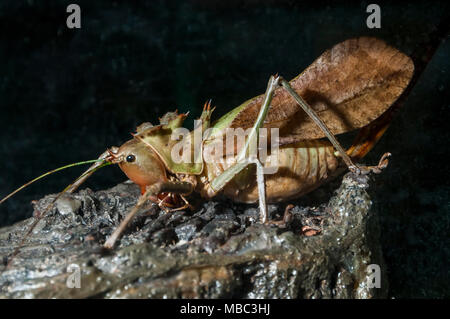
(302, 167)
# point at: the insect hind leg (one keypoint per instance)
(313, 115)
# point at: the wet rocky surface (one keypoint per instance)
(218, 250)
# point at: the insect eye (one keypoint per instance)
(131, 158)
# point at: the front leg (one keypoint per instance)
(182, 188)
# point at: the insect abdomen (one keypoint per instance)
(302, 167)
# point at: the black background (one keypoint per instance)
(66, 95)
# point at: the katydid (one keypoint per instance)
(346, 88)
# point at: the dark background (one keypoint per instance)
(66, 95)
